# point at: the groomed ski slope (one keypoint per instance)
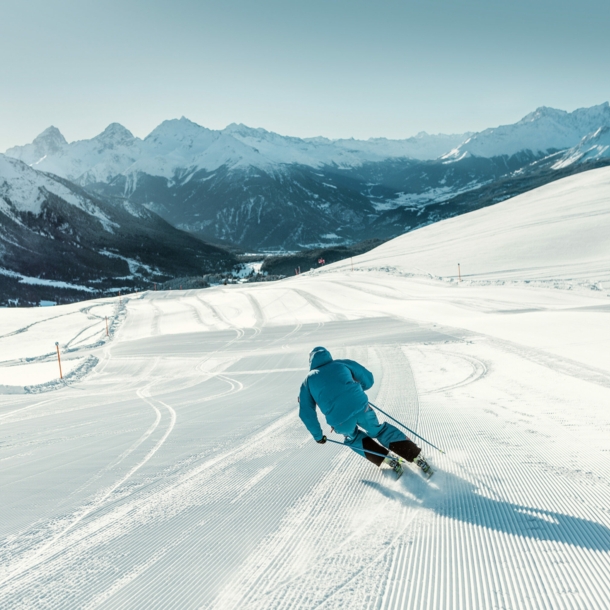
(170, 469)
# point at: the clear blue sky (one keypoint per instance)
(338, 68)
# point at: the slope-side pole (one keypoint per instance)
(59, 359)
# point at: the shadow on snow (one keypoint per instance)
(455, 498)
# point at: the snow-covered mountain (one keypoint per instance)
(346, 153)
(179, 144)
(84, 161)
(544, 131)
(594, 147)
(58, 242)
(23, 190)
(262, 190)
(48, 143)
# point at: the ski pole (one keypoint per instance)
(405, 427)
(330, 440)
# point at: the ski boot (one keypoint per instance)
(395, 464)
(421, 461)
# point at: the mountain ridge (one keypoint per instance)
(258, 190)
(184, 141)
(557, 129)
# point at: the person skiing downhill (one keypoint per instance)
(338, 388)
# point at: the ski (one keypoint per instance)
(422, 463)
(395, 463)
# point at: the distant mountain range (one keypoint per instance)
(59, 243)
(260, 191)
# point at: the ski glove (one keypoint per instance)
(322, 440)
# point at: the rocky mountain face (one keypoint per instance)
(256, 209)
(263, 191)
(60, 243)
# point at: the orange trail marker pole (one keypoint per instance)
(106, 325)
(459, 273)
(59, 359)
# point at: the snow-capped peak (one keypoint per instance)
(178, 134)
(177, 130)
(83, 161)
(51, 140)
(48, 143)
(543, 112)
(240, 129)
(543, 131)
(115, 134)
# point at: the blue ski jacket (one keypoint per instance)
(336, 386)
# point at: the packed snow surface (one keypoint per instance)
(172, 471)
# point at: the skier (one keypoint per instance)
(337, 388)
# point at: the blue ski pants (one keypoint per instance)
(364, 424)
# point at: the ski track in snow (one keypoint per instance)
(177, 474)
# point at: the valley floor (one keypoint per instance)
(170, 469)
